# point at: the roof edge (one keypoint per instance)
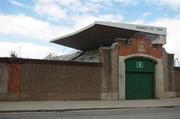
(73, 33)
(134, 27)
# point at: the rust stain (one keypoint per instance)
(14, 78)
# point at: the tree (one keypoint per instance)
(13, 54)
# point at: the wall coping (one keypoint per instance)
(177, 68)
(9, 60)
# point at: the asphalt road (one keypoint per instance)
(136, 113)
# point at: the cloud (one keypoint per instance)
(16, 3)
(145, 14)
(26, 50)
(173, 4)
(64, 9)
(123, 2)
(23, 25)
(82, 21)
(28, 26)
(142, 18)
(50, 8)
(68, 9)
(173, 34)
(78, 6)
(33, 28)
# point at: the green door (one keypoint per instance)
(139, 82)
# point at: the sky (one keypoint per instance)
(27, 26)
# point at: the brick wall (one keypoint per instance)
(4, 76)
(171, 72)
(127, 49)
(52, 80)
(177, 81)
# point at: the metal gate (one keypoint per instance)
(139, 82)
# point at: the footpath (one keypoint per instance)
(32, 106)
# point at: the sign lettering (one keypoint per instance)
(139, 65)
(150, 28)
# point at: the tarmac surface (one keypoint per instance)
(34, 106)
(130, 113)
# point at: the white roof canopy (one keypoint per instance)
(103, 34)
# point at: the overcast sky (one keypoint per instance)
(27, 26)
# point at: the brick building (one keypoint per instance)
(135, 65)
(115, 62)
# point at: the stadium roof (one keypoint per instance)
(103, 34)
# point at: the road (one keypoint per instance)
(133, 113)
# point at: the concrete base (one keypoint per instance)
(177, 94)
(109, 96)
(13, 97)
(3, 96)
(76, 105)
(170, 94)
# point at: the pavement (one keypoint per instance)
(31, 106)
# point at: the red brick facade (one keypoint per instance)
(128, 49)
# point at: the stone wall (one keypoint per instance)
(27, 79)
(169, 76)
(105, 58)
(115, 70)
(110, 81)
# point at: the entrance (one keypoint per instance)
(139, 82)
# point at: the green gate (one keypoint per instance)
(139, 82)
